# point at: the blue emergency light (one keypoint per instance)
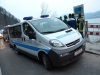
(43, 16)
(28, 18)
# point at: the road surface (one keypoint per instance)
(12, 64)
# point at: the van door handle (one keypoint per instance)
(24, 39)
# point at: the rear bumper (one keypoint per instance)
(57, 60)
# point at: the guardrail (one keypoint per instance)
(93, 26)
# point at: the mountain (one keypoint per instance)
(92, 15)
(6, 18)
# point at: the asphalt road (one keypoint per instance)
(12, 64)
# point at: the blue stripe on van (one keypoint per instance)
(64, 35)
(30, 47)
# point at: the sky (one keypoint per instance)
(23, 8)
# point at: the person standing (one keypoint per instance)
(72, 22)
(80, 22)
(73, 16)
(60, 18)
(65, 19)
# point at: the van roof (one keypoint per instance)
(25, 21)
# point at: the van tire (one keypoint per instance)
(10, 46)
(3, 39)
(46, 62)
(16, 51)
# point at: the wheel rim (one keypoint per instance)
(16, 51)
(44, 61)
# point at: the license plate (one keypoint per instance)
(78, 52)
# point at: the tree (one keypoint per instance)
(45, 9)
(54, 14)
(7, 18)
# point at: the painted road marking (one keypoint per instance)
(0, 72)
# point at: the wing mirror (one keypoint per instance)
(32, 35)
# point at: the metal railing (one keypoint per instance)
(95, 29)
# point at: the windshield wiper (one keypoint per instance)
(49, 32)
(53, 31)
(60, 30)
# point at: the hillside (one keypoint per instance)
(92, 15)
(6, 18)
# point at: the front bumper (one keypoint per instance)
(58, 61)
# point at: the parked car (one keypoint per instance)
(5, 34)
(1, 34)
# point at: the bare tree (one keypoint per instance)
(54, 14)
(7, 18)
(45, 9)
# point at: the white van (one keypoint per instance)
(48, 40)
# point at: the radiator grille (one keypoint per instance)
(73, 43)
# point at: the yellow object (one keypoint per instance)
(80, 24)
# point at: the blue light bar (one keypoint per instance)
(43, 16)
(28, 18)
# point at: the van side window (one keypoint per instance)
(5, 31)
(11, 31)
(27, 28)
(15, 32)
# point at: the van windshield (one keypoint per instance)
(49, 25)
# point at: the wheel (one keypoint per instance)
(10, 46)
(3, 39)
(16, 51)
(46, 62)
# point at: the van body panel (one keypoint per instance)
(41, 41)
(58, 61)
(64, 37)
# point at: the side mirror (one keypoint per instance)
(32, 35)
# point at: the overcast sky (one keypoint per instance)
(22, 8)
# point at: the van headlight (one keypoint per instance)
(56, 43)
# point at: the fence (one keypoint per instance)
(95, 29)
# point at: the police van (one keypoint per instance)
(47, 39)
